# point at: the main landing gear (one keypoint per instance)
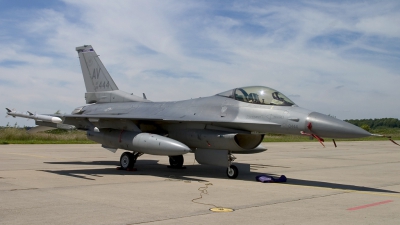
(176, 161)
(128, 160)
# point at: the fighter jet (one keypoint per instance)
(213, 128)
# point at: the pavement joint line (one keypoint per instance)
(48, 190)
(87, 185)
(335, 167)
(23, 189)
(23, 154)
(375, 193)
(35, 156)
(346, 190)
(11, 210)
(75, 186)
(390, 185)
(174, 218)
(306, 198)
(287, 201)
(124, 208)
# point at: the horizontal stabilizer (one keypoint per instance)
(112, 96)
(55, 125)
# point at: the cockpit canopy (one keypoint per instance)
(258, 95)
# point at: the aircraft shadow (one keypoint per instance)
(104, 163)
(346, 187)
(190, 173)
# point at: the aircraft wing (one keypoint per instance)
(129, 121)
(81, 121)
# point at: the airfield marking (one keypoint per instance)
(221, 210)
(370, 205)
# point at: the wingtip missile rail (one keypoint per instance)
(52, 119)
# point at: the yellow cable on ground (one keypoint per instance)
(203, 191)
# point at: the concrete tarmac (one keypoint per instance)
(356, 183)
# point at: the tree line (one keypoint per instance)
(375, 123)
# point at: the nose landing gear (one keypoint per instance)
(232, 171)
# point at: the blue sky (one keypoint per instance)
(335, 57)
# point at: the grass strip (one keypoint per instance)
(11, 135)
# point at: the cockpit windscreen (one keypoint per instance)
(258, 95)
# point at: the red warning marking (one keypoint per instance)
(309, 126)
(120, 136)
(370, 205)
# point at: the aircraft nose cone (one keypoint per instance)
(327, 126)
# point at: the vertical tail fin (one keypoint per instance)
(100, 87)
(95, 74)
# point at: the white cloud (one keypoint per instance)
(174, 50)
(384, 25)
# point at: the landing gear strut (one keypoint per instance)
(128, 160)
(232, 172)
(176, 161)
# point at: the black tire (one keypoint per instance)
(232, 172)
(176, 161)
(127, 161)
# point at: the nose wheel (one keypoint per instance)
(232, 172)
